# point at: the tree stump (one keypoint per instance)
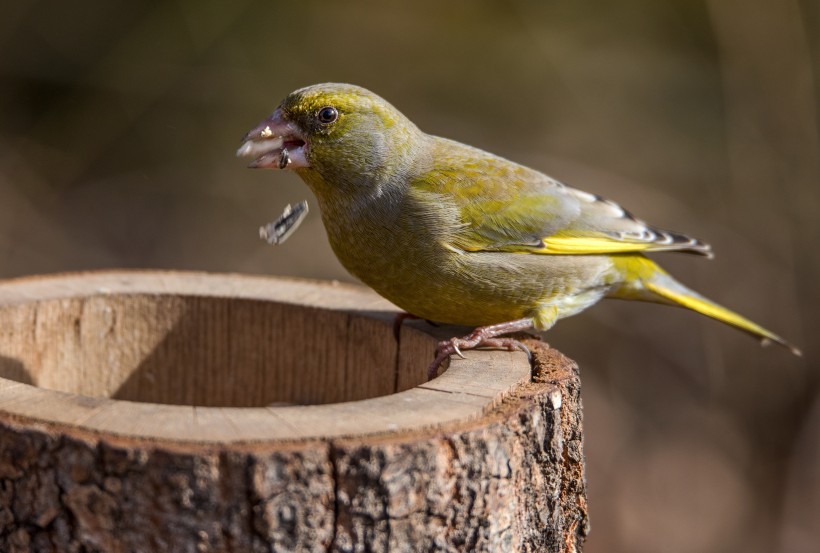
(186, 412)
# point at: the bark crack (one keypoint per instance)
(334, 477)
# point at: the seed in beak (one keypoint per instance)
(284, 158)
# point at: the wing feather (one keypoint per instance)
(504, 206)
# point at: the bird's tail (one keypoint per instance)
(645, 280)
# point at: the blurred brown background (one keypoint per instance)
(118, 123)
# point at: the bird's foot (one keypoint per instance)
(481, 337)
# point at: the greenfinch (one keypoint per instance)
(457, 235)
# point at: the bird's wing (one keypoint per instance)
(507, 207)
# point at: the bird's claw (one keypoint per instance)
(454, 345)
(483, 336)
(525, 349)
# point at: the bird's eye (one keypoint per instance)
(327, 115)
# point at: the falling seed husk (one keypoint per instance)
(281, 229)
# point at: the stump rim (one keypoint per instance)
(466, 391)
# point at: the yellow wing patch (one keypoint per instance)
(591, 244)
(647, 240)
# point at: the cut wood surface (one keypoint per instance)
(163, 411)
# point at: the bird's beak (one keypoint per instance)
(275, 144)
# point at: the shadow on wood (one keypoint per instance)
(14, 370)
(365, 456)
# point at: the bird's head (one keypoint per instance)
(344, 133)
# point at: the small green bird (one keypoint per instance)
(456, 235)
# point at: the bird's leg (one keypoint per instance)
(483, 336)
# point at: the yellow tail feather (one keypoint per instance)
(715, 311)
(642, 275)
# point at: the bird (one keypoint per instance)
(457, 235)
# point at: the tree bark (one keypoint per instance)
(487, 457)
